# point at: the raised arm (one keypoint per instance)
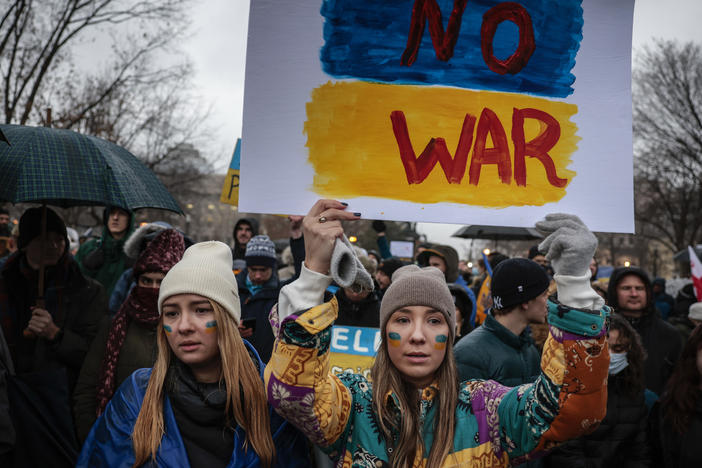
(298, 382)
(569, 397)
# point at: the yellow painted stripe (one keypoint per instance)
(354, 151)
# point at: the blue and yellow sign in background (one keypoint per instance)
(230, 189)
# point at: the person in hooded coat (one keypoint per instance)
(244, 230)
(104, 259)
(128, 342)
(47, 343)
(445, 258)
(629, 294)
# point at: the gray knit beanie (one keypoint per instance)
(412, 286)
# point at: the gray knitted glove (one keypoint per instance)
(569, 246)
(347, 270)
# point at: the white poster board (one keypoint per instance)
(496, 114)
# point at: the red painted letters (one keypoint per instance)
(498, 154)
(507, 11)
(537, 148)
(417, 169)
(444, 41)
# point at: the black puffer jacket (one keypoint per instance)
(618, 442)
(363, 313)
(660, 339)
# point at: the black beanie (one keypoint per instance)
(517, 280)
(30, 226)
(389, 265)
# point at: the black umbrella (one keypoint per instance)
(497, 233)
(684, 255)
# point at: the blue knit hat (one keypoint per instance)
(260, 251)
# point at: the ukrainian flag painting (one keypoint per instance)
(481, 106)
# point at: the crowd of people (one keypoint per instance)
(143, 348)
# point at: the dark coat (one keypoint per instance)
(660, 339)
(46, 371)
(76, 303)
(259, 305)
(7, 429)
(138, 351)
(364, 313)
(620, 441)
(492, 352)
(684, 299)
(673, 450)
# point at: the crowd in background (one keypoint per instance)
(70, 341)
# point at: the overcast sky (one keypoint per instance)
(218, 49)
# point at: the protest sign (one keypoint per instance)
(461, 111)
(230, 189)
(353, 349)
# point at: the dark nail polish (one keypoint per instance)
(344, 203)
(357, 214)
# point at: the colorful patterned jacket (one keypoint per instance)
(495, 425)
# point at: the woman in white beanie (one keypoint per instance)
(413, 413)
(203, 402)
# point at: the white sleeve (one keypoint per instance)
(305, 292)
(576, 292)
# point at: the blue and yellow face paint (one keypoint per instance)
(211, 326)
(394, 339)
(168, 329)
(440, 342)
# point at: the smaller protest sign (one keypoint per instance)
(353, 349)
(230, 189)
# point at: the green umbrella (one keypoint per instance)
(65, 168)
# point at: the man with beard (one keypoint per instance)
(630, 294)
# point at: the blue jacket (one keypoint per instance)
(109, 443)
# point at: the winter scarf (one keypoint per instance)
(200, 412)
(141, 306)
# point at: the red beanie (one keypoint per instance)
(164, 251)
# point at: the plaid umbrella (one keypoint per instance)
(65, 168)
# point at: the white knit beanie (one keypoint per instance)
(206, 270)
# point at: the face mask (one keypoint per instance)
(617, 363)
(147, 297)
(475, 271)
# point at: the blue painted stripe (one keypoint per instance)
(365, 40)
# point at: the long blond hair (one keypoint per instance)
(246, 398)
(387, 378)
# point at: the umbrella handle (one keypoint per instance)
(27, 333)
